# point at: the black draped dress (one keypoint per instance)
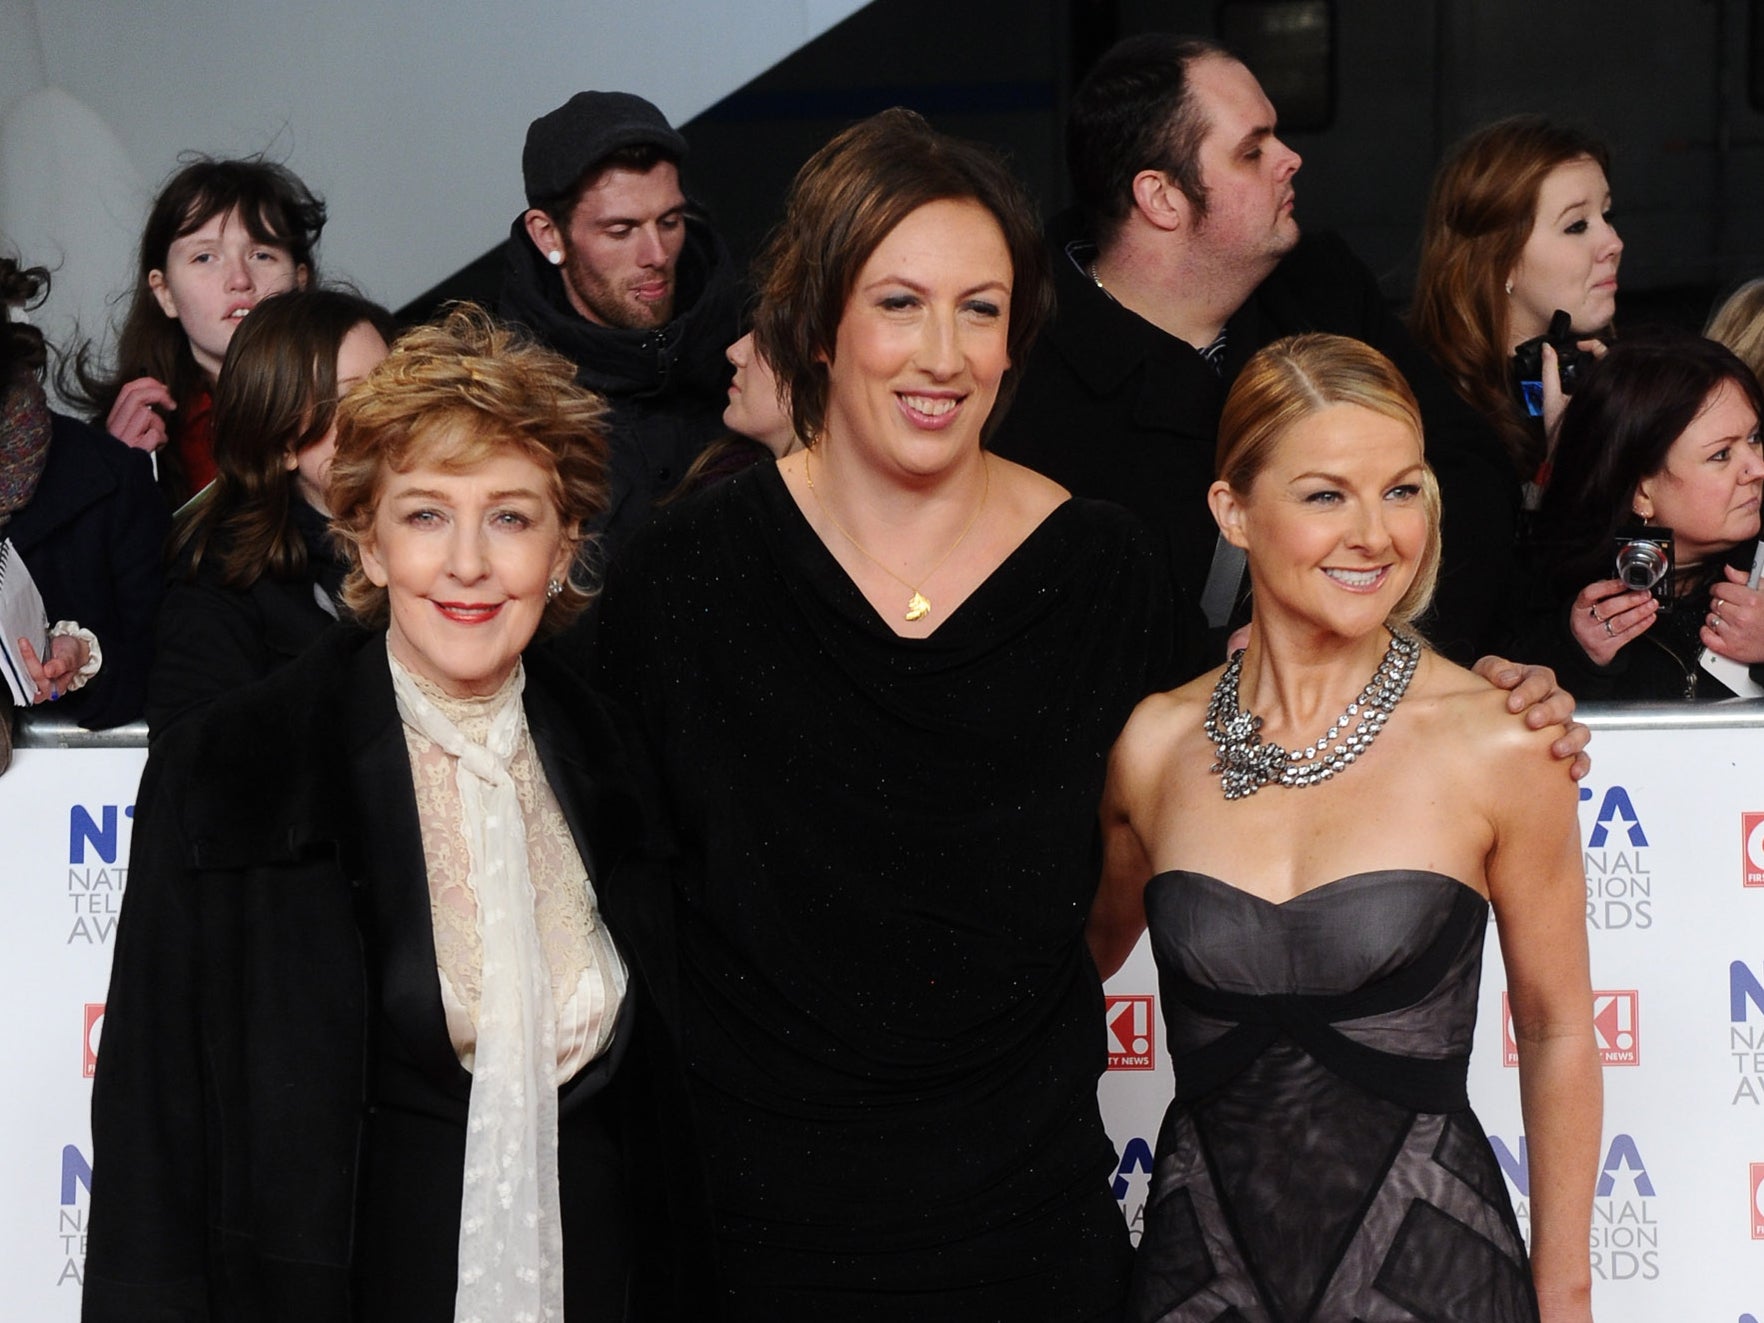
(1321, 1163)
(892, 1026)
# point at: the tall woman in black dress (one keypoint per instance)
(880, 679)
(1318, 916)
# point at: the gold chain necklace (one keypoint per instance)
(918, 605)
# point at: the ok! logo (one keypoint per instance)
(1132, 1025)
(1616, 1028)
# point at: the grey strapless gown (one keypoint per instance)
(1320, 1163)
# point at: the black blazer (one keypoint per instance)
(213, 639)
(276, 846)
(93, 538)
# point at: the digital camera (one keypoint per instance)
(1571, 362)
(1645, 560)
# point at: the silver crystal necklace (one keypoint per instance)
(1246, 763)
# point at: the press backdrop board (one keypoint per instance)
(1672, 820)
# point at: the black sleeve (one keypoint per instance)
(135, 530)
(146, 1247)
(210, 642)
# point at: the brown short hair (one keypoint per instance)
(846, 200)
(455, 394)
(1479, 215)
(1302, 375)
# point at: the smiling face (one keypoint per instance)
(213, 276)
(1335, 525)
(465, 558)
(755, 407)
(1707, 493)
(359, 354)
(1570, 261)
(1246, 171)
(922, 345)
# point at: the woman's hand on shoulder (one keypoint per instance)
(1533, 694)
(135, 419)
(1605, 616)
(1734, 627)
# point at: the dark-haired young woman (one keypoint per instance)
(221, 237)
(255, 577)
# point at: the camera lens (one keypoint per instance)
(1640, 564)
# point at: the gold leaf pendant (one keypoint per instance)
(918, 607)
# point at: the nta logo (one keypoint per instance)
(1617, 814)
(1622, 1161)
(1136, 1156)
(1743, 990)
(102, 833)
(76, 1174)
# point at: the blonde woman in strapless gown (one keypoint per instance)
(1318, 915)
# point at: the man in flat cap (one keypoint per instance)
(610, 266)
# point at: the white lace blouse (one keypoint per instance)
(588, 977)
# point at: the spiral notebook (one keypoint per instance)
(21, 616)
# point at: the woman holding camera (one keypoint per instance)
(1659, 449)
(1518, 228)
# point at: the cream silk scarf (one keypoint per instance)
(510, 1233)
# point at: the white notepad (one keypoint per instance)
(21, 616)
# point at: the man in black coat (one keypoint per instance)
(1183, 259)
(610, 267)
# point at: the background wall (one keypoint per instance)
(408, 118)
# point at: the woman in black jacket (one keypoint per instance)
(255, 577)
(382, 1035)
(80, 509)
(1659, 445)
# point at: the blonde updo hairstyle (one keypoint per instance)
(454, 395)
(1302, 375)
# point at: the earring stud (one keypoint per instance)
(555, 257)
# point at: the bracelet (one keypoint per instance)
(94, 654)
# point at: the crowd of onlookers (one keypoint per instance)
(1559, 446)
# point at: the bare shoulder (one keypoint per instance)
(1161, 725)
(1469, 715)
